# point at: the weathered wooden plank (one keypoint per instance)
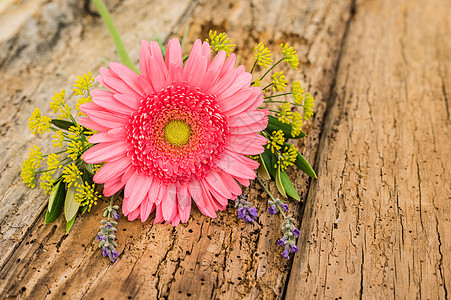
(383, 167)
(220, 258)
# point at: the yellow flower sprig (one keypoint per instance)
(83, 84)
(86, 195)
(58, 104)
(220, 42)
(37, 123)
(290, 56)
(262, 56)
(286, 158)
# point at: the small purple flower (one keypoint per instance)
(106, 235)
(286, 254)
(245, 211)
(281, 242)
(285, 206)
(296, 231)
(294, 249)
(272, 210)
(253, 212)
(105, 251)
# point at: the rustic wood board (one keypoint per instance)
(380, 76)
(220, 258)
(384, 163)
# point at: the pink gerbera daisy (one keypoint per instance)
(175, 133)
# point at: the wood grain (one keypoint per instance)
(377, 220)
(206, 258)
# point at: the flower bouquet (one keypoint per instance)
(185, 129)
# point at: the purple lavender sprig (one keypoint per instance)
(106, 235)
(290, 233)
(288, 241)
(245, 211)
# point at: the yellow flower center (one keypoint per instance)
(177, 132)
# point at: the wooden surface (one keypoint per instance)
(376, 222)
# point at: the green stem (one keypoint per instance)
(266, 189)
(103, 11)
(278, 95)
(252, 70)
(272, 197)
(272, 67)
(267, 86)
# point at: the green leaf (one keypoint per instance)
(56, 200)
(274, 125)
(89, 168)
(71, 205)
(279, 184)
(62, 124)
(268, 157)
(262, 170)
(83, 209)
(70, 223)
(288, 186)
(303, 164)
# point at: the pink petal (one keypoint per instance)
(146, 209)
(127, 75)
(106, 100)
(246, 118)
(218, 199)
(168, 204)
(174, 54)
(215, 181)
(162, 193)
(153, 191)
(230, 182)
(243, 181)
(231, 164)
(103, 117)
(216, 65)
(112, 187)
(117, 85)
(145, 85)
(128, 173)
(89, 123)
(128, 100)
(136, 190)
(184, 203)
(243, 100)
(175, 220)
(152, 65)
(228, 65)
(158, 215)
(237, 99)
(112, 170)
(101, 137)
(117, 132)
(252, 128)
(105, 152)
(133, 215)
(196, 191)
(242, 80)
(247, 144)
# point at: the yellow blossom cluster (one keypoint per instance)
(262, 55)
(86, 195)
(83, 84)
(220, 42)
(287, 158)
(37, 123)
